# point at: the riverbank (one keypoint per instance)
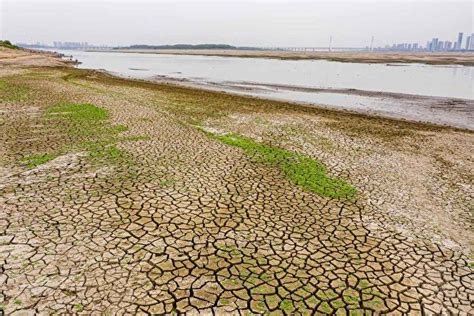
(126, 196)
(450, 112)
(421, 93)
(466, 59)
(27, 57)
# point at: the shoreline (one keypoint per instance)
(186, 84)
(62, 61)
(438, 111)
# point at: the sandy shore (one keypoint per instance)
(24, 57)
(358, 57)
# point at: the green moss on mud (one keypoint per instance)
(85, 128)
(12, 92)
(302, 170)
(86, 124)
(35, 160)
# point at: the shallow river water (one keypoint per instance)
(431, 93)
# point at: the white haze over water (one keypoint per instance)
(252, 23)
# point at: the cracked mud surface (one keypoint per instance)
(186, 224)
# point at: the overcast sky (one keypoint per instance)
(256, 23)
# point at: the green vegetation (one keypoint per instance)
(85, 129)
(12, 92)
(304, 171)
(17, 302)
(8, 44)
(88, 131)
(83, 115)
(33, 161)
(78, 307)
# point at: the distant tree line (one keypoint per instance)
(7, 44)
(188, 46)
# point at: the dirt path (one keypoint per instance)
(133, 209)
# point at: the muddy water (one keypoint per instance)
(391, 90)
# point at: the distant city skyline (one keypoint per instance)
(458, 44)
(239, 23)
(436, 44)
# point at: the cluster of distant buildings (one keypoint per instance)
(434, 45)
(437, 45)
(71, 45)
(62, 45)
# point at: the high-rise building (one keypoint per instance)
(434, 44)
(448, 45)
(440, 45)
(472, 41)
(459, 42)
(468, 42)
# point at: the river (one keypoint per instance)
(439, 94)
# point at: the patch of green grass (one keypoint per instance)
(35, 160)
(302, 170)
(78, 307)
(87, 129)
(79, 113)
(17, 302)
(103, 150)
(119, 128)
(10, 91)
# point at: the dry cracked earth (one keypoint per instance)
(147, 214)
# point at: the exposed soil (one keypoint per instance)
(182, 223)
(23, 57)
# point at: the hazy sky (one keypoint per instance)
(258, 22)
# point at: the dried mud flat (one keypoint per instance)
(353, 57)
(126, 197)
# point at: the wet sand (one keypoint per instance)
(452, 112)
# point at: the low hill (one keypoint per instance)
(7, 44)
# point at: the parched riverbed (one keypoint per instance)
(128, 197)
